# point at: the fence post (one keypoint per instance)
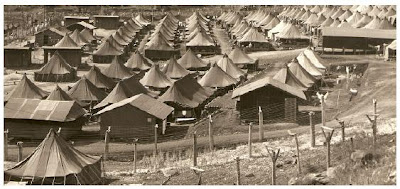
(374, 124)
(20, 154)
(194, 149)
(352, 144)
(135, 154)
(249, 142)
(5, 145)
(155, 146)
(164, 126)
(274, 156)
(210, 133)
(342, 127)
(312, 129)
(59, 131)
(260, 123)
(297, 148)
(106, 140)
(328, 137)
(237, 171)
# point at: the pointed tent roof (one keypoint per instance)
(327, 23)
(373, 24)
(386, 25)
(374, 12)
(99, 79)
(239, 57)
(314, 58)
(26, 89)
(66, 41)
(190, 61)
(345, 24)
(174, 70)
(390, 12)
(87, 35)
(278, 28)
(362, 22)
(306, 15)
(106, 49)
(216, 77)
(138, 61)
(286, 76)
(60, 95)
(290, 31)
(383, 12)
(275, 21)
(307, 65)
(316, 9)
(364, 9)
(345, 15)
(56, 65)
(78, 39)
(117, 70)
(158, 43)
(155, 78)
(300, 73)
(335, 23)
(54, 157)
(85, 90)
(338, 13)
(120, 92)
(353, 19)
(252, 35)
(133, 84)
(266, 20)
(299, 14)
(201, 39)
(315, 20)
(227, 65)
(325, 11)
(186, 92)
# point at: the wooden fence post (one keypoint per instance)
(297, 148)
(274, 156)
(20, 149)
(260, 123)
(210, 133)
(135, 154)
(328, 137)
(352, 144)
(6, 145)
(237, 170)
(194, 149)
(312, 129)
(374, 123)
(342, 127)
(249, 142)
(106, 140)
(164, 126)
(155, 146)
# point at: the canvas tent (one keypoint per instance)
(390, 51)
(56, 70)
(99, 79)
(26, 89)
(217, 78)
(190, 61)
(240, 58)
(120, 92)
(116, 70)
(174, 70)
(86, 91)
(138, 62)
(154, 78)
(60, 95)
(56, 162)
(227, 65)
(284, 75)
(307, 65)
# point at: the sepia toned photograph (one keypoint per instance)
(199, 95)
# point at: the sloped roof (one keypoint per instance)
(392, 45)
(87, 35)
(345, 24)
(106, 49)
(56, 65)
(227, 65)
(386, 25)
(239, 57)
(373, 24)
(66, 41)
(353, 19)
(78, 39)
(158, 43)
(144, 103)
(134, 85)
(265, 82)
(338, 13)
(284, 75)
(266, 20)
(201, 39)
(190, 60)
(54, 157)
(26, 89)
(314, 58)
(362, 22)
(85, 90)
(138, 61)
(120, 92)
(252, 35)
(274, 22)
(359, 32)
(117, 70)
(48, 110)
(60, 95)
(327, 22)
(216, 77)
(307, 65)
(142, 20)
(174, 70)
(99, 79)
(345, 15)
(278, 28)
(84, 24)
(301, 74)
(155, 78)
(186, 92)
(290, 31)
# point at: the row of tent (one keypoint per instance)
(121, 41)
(162, 41)
(341, 16)
(76, 39)
(199, 36)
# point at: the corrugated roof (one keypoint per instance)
(144, 103)
(49, 110)
(265, 82)
(355, 32)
